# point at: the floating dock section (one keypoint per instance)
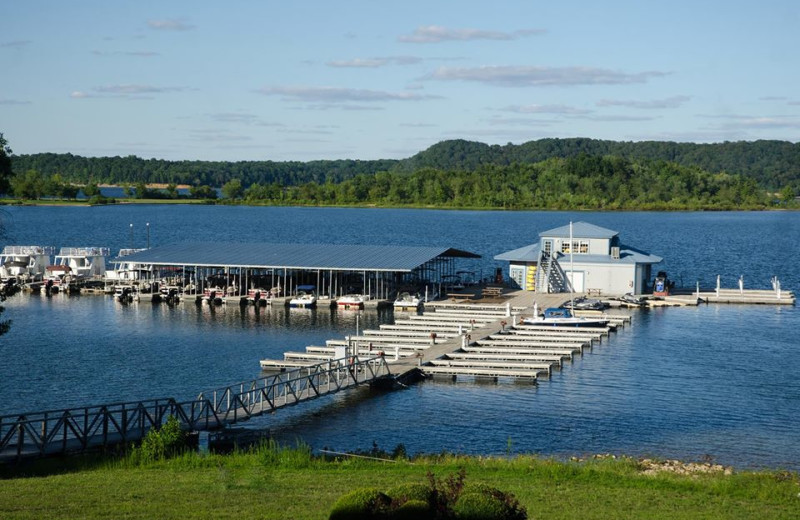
(457, 339)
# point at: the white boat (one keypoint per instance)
(560, 317)
(124, 293)
(213, 296)
(24, 263)
(351, 301)
(124, 271)
(303, 300)
(259, 297)
(83, 262)
(407, 301)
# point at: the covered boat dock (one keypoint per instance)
(375, 271)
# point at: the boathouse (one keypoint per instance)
(327, 270)
(596, 263)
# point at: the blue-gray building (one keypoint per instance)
(595, 262)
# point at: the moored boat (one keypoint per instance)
(24, 263)
(407, 301)
(259, 297)
(351, 301)
(561, 317)
(303, 300)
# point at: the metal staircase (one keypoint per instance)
(550, 278)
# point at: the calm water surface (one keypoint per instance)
(680, 382)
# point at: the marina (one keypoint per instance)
(402, 334)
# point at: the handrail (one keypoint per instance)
(81, 428)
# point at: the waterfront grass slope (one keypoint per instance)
(277, 483)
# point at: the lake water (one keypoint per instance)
(717, 381)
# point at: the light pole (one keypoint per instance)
(148, 235)
(131, 235)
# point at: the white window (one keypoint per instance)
(580, 246)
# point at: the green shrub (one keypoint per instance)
(361, 504)
(413, 510)
(161, 442)
(482, 502)
(479, 506)
(413, 491)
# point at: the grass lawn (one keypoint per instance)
(270, 483)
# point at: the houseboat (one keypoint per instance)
(25, 264)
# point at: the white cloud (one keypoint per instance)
(438, 34)
(141, 54)
(520, 121)
(618, 118)
(375, 62)
(670, 102)
(340, 95)
(170, 24)
(126, 91)
(80, 94)
(527, 76)
(133, 89)
(547, 109)
(242, 118)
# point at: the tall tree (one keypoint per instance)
(5, 164)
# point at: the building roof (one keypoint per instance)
(627, 255)
(580, 230)
(528, 253)
(293, 256)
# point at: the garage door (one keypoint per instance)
(576, 279)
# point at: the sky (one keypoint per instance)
(308, 80)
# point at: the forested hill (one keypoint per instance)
(133, 170)
(773, 164)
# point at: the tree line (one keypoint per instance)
(773, 164)
(583, 182)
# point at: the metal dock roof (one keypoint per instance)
(294, 256)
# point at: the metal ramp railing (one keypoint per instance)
(80, 429)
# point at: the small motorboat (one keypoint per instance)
(213, 296)
(631, 300)
(259, 297)
(351, 301)
(124, 293)
(407, 301)
(584, 304)
(561, 317)
(303, 300)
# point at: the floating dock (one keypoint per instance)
(462, 339)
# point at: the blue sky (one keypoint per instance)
(306, 80)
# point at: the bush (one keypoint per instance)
(413, 510)
(412, 491)
(361, 504)
(444, 499)
(161, 443)
(478, 506)
(482, 502)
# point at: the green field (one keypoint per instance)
(275, 483)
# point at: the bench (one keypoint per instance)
(491, 292)
(459, 296)
(594, 292)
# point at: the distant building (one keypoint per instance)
(601, 265)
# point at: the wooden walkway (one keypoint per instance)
(80, 429)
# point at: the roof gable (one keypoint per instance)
(580, 230)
